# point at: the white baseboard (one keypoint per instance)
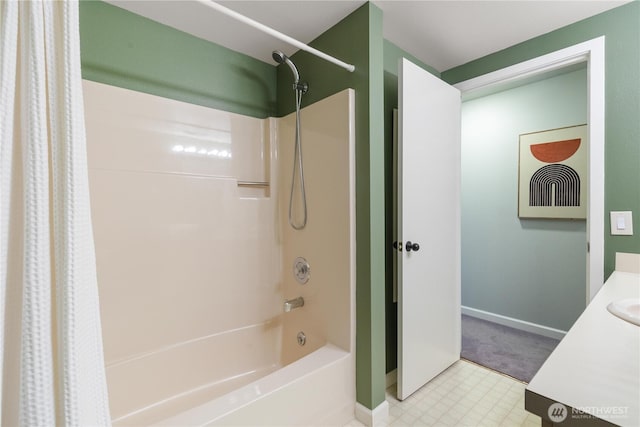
(375, 417)
(391, 378)
(514, 323)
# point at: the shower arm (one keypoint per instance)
(277, 34)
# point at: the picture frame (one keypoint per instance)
(552, 173)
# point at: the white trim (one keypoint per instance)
(514, 323)
(591, 51)
(391, 378)
(595, 217)
(373, 417)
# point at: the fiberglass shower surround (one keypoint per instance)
(151, 264)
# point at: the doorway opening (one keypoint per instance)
(551, 82)
(588, 54)
(591, 53)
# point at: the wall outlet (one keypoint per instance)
(621, 223)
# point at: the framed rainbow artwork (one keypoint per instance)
(552, 174)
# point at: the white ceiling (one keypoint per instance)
(441, 33)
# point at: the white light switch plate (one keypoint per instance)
(621, 223)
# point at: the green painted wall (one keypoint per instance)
(621, 27)
(541, 277)
(357, 40)
(126, 50)
(392, 55)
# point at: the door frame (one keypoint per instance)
(593, 53)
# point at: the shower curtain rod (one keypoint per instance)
(277, 34)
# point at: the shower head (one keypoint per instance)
(278, 56)
(281, 58)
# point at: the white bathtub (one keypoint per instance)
(233, 379)
(318, 389)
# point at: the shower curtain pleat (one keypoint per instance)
(62, 376)
(37, 405)
(8, 55)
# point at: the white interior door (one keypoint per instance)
(428, 231)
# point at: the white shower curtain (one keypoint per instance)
(52, 359)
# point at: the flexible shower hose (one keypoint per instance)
(297, 161)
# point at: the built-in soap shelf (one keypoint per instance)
(253, 189)
(256, 184)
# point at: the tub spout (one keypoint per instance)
(290, 304)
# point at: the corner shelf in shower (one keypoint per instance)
(256, 184)
(254, 189)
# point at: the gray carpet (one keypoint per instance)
(511, 351)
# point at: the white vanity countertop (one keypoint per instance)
(596, 367)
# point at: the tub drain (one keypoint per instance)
(302, 338)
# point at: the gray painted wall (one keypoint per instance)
(532, 270)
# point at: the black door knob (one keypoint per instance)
(412, 247)
(397, 246)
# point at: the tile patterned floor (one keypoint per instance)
(466, 394)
